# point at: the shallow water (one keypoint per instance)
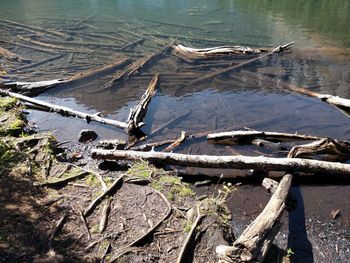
(97, 30)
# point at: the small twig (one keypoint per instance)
(184, 249)
(128, 247)
(98, 176)
(82, 217)
(104, 217)
(176, 143)
(105, 252)
(57, 229)
(95, 202)
(63, 180)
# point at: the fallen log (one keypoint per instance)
(225, 70)
(323, 146)
(253, 244)
(233, 162)
(137, 114)
(32, 65)
(65, 111)
(244, 135)
(12, 56)
(33, 88)
(330, 99)
(151, 145)
(137, 66)
(214, 52)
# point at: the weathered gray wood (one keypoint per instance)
(12, 56)
(249, 135)
(225, 70)
(323, 146)
(65, 111)
(234, 162)
(253, 244)
(137, 114)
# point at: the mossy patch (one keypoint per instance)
(7, 103)
(141, 169)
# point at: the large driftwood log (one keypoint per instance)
(214, 52)
(253, 244)
(234, 162)
(37, 87)
(137, 114)
(244, 135)
(137, 66)
(225, 70)
(333, 100)
(323, 146)
(65, 111)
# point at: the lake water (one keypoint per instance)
(319, 60)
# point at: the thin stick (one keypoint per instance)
(223, 71)
(65, 111)
(63, 180)
(127, 248)
(36, 64)
(176, 143)
(104, 216)
(151, 145)
(168, 123)
(98, 200)
(83, 219)
(58, 227)
(184, 249)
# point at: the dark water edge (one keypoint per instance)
(319, 62)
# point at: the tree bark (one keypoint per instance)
(223, 71)
(253, 244)
(234, 162)
(137, 114)
(244, 135)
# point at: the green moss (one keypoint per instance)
(157, 185)
(94, 229)
(71, 172)
(182, 190)
(169, 179)
(170, 196)
(187, 225)
(142, 169)
(91, 180)
(7, 103)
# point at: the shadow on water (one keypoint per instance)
(297, 237)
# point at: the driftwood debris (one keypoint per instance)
(33, 88)
(253, 244)
(151, 145)
(214, 52)
(225, 70)
(234, 162)
(330, 99)
(137, 66)
(139, 240)
(36, 64)
(176, 143)
(99, 199)
(323, 146)
(65, 111)
(137, 114)
(244, 136)
(12, 56)
(184, 249)
(63, 180)
(104, 216)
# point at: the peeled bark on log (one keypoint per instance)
(214, 52)
(33, 88)
(323, 146)
(137, 114)
(12, 56)
(234, 162)
(253, 244)
(330, 99)
(65, 111)
(137, 66)
(223, 71)
(243, 135)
